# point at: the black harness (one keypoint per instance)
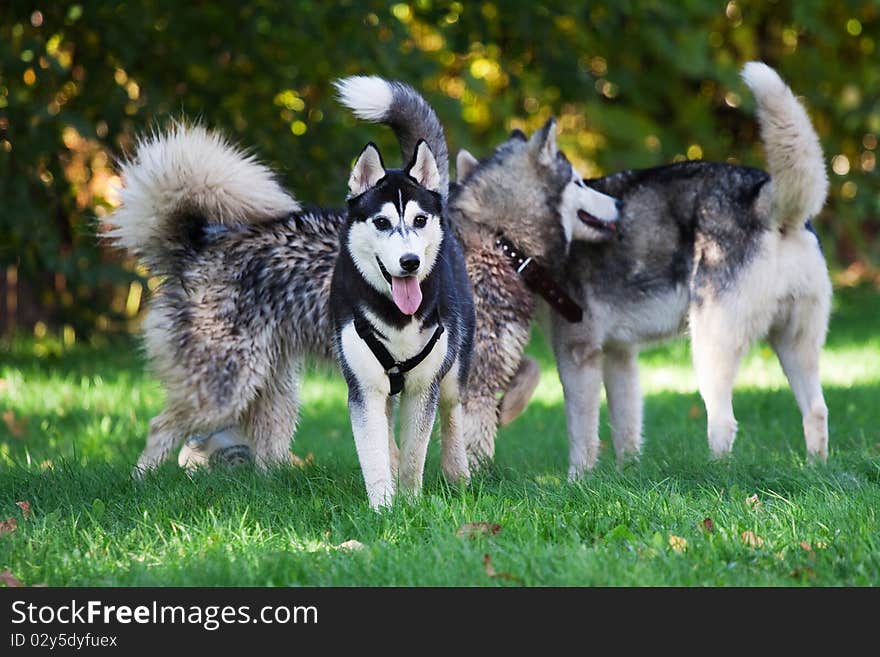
(393, 369)
(539, 280)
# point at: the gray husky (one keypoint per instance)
(726, 250)
(243, 300)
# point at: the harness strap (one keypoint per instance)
(393, 369)
(539, 280)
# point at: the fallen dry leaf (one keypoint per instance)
(695, 412)
(677, 543)
(751, 539)
(302, 463)
(708, 524)
(10, 580)
(350, 545)
(472, 529)
(25, 507)
(752, 501)
(491, 572)
(487, 562)
(16, 427)
(803, 572)
(806, 546)
(8, 526)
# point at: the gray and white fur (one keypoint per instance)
(726, 250)
(243, 300)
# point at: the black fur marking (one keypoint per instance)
(383, 270)
(812, 229)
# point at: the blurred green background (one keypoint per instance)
(633, 83)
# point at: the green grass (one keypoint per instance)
(75, 421)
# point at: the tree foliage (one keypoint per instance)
(634, 83)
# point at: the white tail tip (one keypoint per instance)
(762, 79)
(368, 96)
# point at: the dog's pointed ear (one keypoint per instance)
(464, 164)
(543, 143)
(367, 171)
(517, 134)
(423, 167)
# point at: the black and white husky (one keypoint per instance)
(403, 320)
(726, 250)
(527, 181)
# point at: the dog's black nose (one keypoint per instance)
(619, 205)
(409, 262)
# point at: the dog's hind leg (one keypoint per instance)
(580, 370)
(718, 347)
(479, 423)
(166, 434)
(453, 456)
(798, 345)
(418, 409)
(621, 373)
(271, 418)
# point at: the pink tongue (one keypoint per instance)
(406, 294)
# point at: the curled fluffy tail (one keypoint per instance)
(185, 175)
(799, 182)
(401, 107)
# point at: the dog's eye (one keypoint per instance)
(381, 223)
(420, 221)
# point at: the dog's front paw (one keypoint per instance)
(627, 458)
(381, 495)
(457, 473)
(578, 472)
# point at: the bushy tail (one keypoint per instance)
(188, 174)
(401, 107)
(799, 182)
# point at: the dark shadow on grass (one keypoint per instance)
(769, 451)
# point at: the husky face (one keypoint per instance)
(528, 191)
(395, 224)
